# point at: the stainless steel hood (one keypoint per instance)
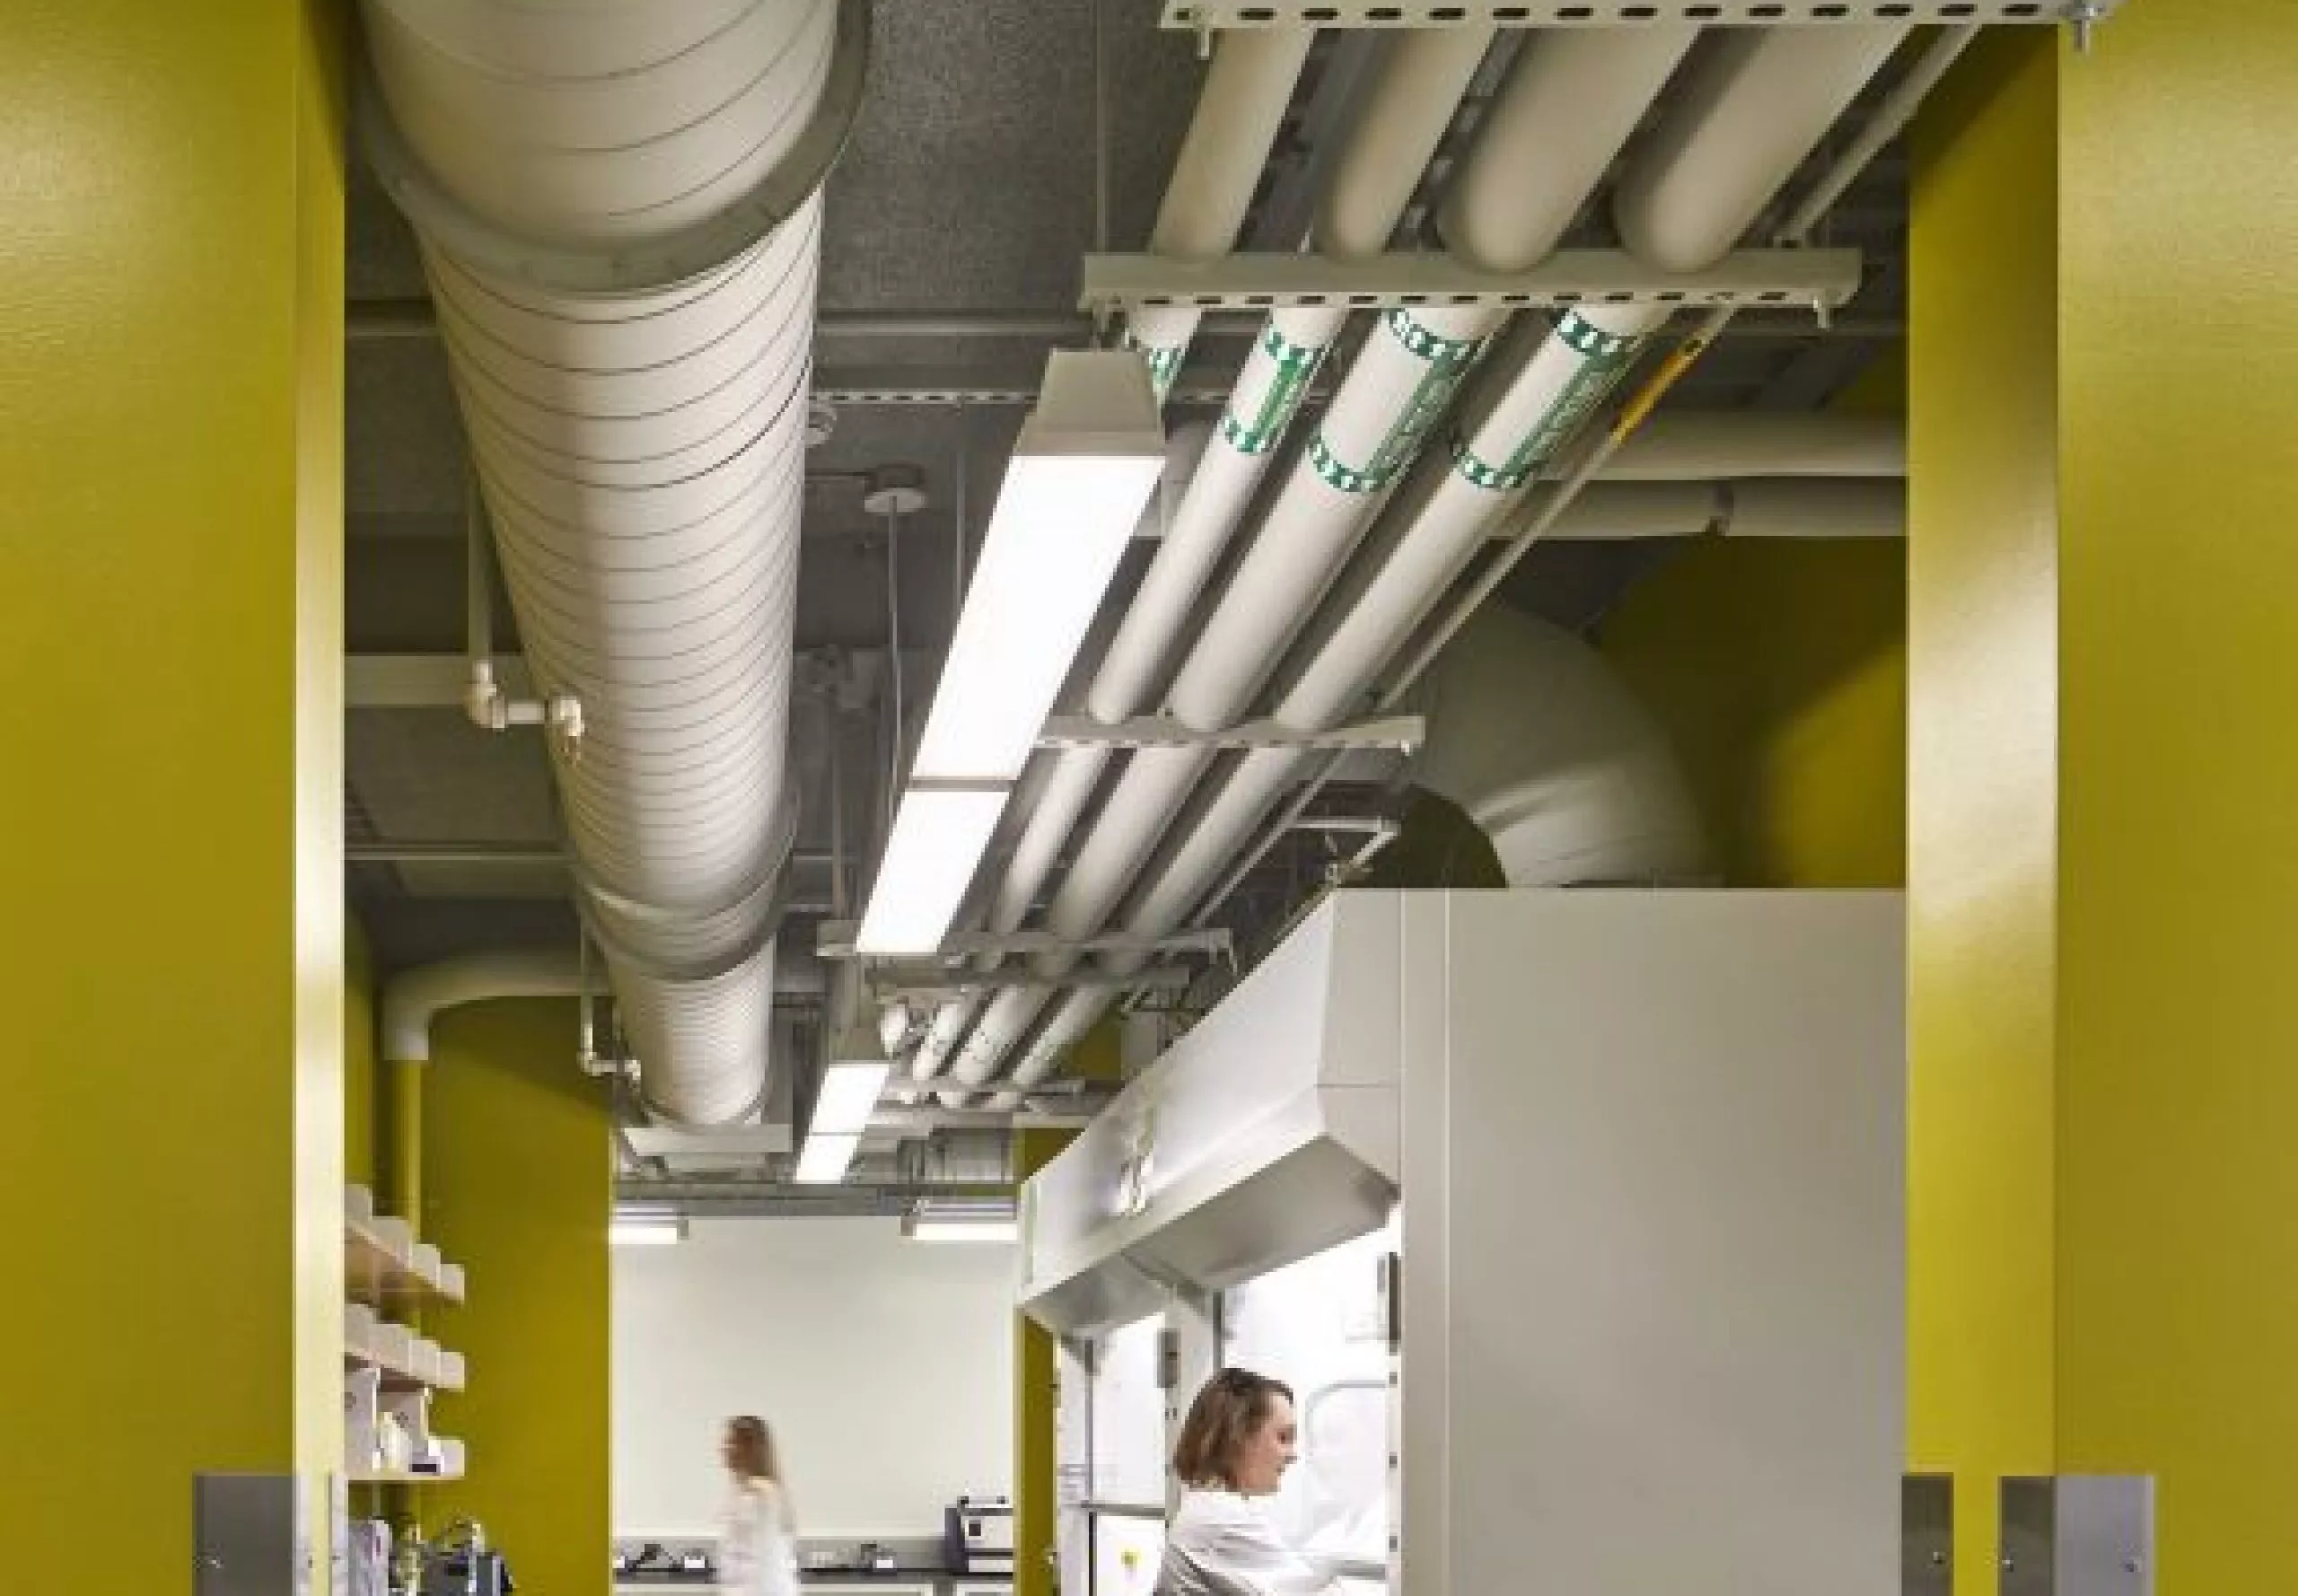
(1269, 1132)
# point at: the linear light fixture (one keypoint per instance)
(939, 836)
(974, 1221)
(646, 1232)
(825, 1158)
(848, 1097)
(852, 1079)
(1087, 461)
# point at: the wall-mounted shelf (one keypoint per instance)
(380, 1267)
(396, 1477)
(391, 1370)
(438, 1370)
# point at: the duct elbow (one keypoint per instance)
(1574, 785)
(414, 998)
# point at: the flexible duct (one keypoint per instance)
(619, 219)
(1523, 417)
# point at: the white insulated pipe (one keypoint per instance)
(1772, 95)
(1837, 509)
(1575, 785)
(1405, 112)
(624, 274)
(1573, 98)
(414, 998)
(1724, 445)
(1400, 387)
(1420, 83)
(1754, 103)
(1521, 422)
(1240, 111)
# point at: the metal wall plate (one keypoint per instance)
(1927, 1535)
(1200, 16)
(248, 1535)
(1820, 279)
(2078, 1535)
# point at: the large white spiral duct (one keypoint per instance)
(619, 215)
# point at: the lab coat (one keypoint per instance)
(1221, 1544)
(758, 1555)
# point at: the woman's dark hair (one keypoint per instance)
(1234, 1404)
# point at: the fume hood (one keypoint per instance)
(1576, 1218)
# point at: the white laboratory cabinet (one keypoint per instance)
(1575, 1219)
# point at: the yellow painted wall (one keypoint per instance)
(1779, 670)
(518, 1186)
(1983, 846)
(170, 428)
(2177, 1089)
(362, 1124)
(2106, 876)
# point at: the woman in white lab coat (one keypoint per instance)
(758, 1553)
(1240, 1438)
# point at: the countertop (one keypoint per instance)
(812, 1578)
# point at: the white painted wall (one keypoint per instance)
(884, 1365)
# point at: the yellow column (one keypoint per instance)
(518, 1187)
(2178, 1274)
(2105, 881)
(170, 781)
(1035, 1504)
(1982, 845)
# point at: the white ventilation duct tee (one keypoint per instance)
(619, 206)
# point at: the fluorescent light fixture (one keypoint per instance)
(1062, 524)
(646, 1232)
(1087, 461)
(824, 1158)
(939, 836)
(848, 1097)
(959, 1220)
(920, 1228)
